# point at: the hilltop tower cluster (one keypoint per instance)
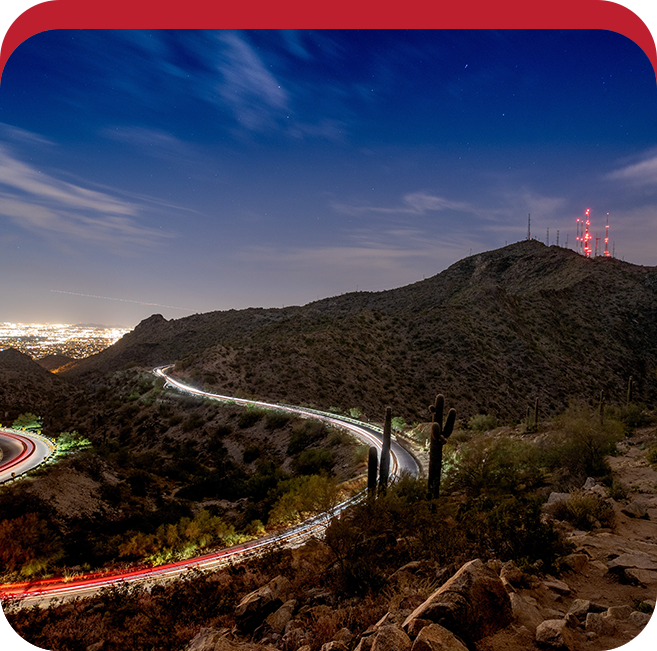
(584, 237)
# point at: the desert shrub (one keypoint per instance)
(490, 465)
(28, 545)
(303, 496)
(651, 455)
(277, 419)
(28, 420)
(585, 511)
(482, 423)
(305, 433)
(314, 462)
(634, 415)
(582, 443)
(250, 417)
(618, 490)
(510, 528)
(222, 430)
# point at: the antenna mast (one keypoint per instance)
(587, 236)
(607, 254)
(529, 226)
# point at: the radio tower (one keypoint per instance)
(587, 236)
(607, 254)
(578, 247)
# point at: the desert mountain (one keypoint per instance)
(26, 386)
(492, 332)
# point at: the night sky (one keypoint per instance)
(205, 171)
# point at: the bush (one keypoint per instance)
(277, 419)
(250, 417)
(582, 444)
(490, 465)
(482, 423)
(304, 434)
(314, 462)
(585, 511)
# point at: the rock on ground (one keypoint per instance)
(472, 604)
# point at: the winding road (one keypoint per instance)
(43, 591)
(21, 451)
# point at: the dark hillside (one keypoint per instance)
(26, 386)
(492, 332)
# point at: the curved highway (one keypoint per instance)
(46, 590)
(21, 451)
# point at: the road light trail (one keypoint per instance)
(23, 451)
(43, 591)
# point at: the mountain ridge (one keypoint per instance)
(493, 332)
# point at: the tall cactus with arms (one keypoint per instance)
(384, 466)
(439, 436)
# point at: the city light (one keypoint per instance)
(41, 339)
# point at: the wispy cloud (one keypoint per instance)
(248, 87)
(9, 132)
(44, 204)
(416, 203)
(641, 173)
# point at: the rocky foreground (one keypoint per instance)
(602, 599)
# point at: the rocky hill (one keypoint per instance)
(492, 332)
(26, 386)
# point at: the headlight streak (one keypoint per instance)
(48, 589)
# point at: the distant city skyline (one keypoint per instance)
(191, 171)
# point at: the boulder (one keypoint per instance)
(574, 562)
(391, 638)
(365, 643)
(334, 645)
(212, 639)
(636, 509)
(639, 560)
(554, 633)
(556, 585)
(619, 612)
(579, 608)
(437, 638)
(257, 605)
(639, 619)
(277, 621)
(472, 604)
(512, 573)
(600, 624)
(525, 614)
(645, 578)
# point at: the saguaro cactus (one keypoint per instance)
(439, 436)
(384, 469)
(371, 473)
(602, 407)
(536, 415)
(630, 389)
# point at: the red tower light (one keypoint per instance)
(587, 235)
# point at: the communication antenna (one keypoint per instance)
(548, 237)
(607, 237)
(529, 226)
(587, 235)
(557, 237)
(578, 241)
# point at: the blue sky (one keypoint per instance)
(226, 169)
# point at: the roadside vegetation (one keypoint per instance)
(151, 476)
